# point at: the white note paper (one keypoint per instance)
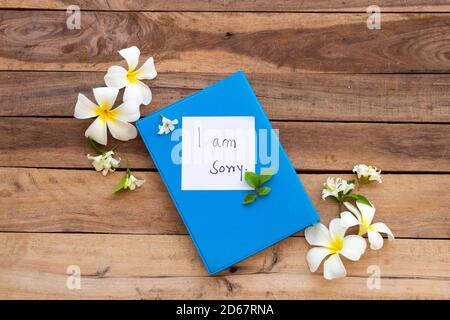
(216, 152)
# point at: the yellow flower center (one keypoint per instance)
(336, 245)
(132, 76)
(364, 227)
(104, 112)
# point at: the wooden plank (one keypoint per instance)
(242, 5)
(42, 142)
(226, 42)
(40, 200)
(168, 267)
(337, 97)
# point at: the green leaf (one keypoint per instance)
(249, 198)
(265, 175)
(263, 191)
(252, 179)
(121, 184)
(94, 146)
(360, 198)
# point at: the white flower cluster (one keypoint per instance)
(105, 162)
(118, 119)
(333, 242)
(336, 188)
(131, 182)
(367, 173)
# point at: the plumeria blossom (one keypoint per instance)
(167, 125)
(116, 120)
(105, 162)
(367, 173)
(336, 188)
(363, 217)
(332, 242)
(118, 77)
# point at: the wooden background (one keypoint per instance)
(339, 93)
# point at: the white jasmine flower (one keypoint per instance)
(363, 217)
(367, 173)
(105, 162)
(167, 125)
(115, 119)
(118, 77)
(128, 182)
(333, 243)
(131, 182)
(336, 188)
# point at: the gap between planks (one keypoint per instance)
(351, 6)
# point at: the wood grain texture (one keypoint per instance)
(226, 42)
(168, 267)
(81, 201)
(330, 97)
(42, 142)
(233, 5)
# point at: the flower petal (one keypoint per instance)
(106, 96)
(127, 111)
(326, 193)
(148, 70)
(131, 55)
(353, 248)
(139, 92)
(348, 220)
(318, 235)
(121, 130)
(116, 77)
(139, 182)
(381, 227)
(333, 268)
(97, 131)
(354, 210)
(315, 256)
(84, 108)
(375, 240)
(337, 231)
(367, 211)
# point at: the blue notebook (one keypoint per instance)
(208, 190)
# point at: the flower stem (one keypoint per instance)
(94, 146)
(115, 147)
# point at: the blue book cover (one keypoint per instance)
(221, 133)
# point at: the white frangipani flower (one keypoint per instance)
(334, 187)
(131, 182)
(115, 119)
(367, 173)
(363, 217)
(167, 125)
(118, 77)
(105, 162)
(332, 242)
